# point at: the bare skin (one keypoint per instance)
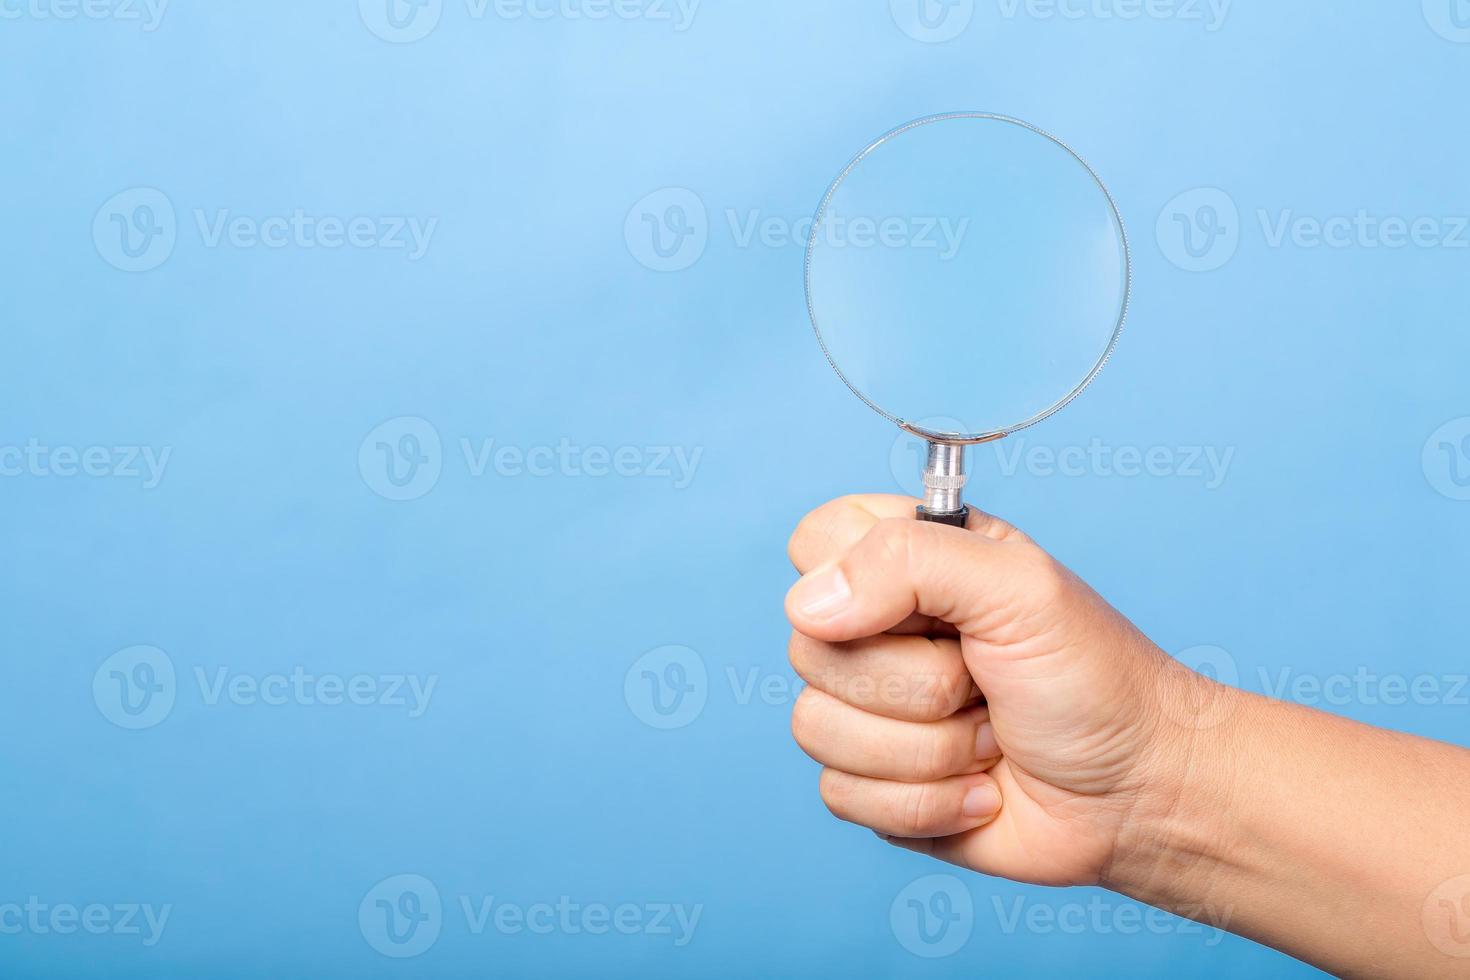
(971, 699)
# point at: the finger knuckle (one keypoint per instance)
(921, 811)
(834, 796)
(814, 531)
(939, 696)
(891, 540)
(995, 527)
(932, 757)
(803, 722)
(797, 544)
(799, 652)
(1044, 576)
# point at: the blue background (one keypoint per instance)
(267, 545)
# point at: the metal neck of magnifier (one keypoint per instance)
(944, 486)
(944, 474)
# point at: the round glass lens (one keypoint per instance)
(967, 267)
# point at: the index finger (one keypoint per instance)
(831, 531)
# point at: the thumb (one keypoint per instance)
(905, 566)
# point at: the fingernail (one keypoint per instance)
(822, 594)
(981, 801)
(986, 747)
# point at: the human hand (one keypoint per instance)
(972, 699)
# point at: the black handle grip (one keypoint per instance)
(962, 519)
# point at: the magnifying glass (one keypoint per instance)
(967, 266)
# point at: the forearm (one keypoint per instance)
(1319, 836)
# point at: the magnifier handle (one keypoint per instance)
(960, 519)
(944, 486)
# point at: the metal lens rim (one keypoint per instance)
(953, 437)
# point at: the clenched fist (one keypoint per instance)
(970, 697)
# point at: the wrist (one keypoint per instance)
(1174, 844)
